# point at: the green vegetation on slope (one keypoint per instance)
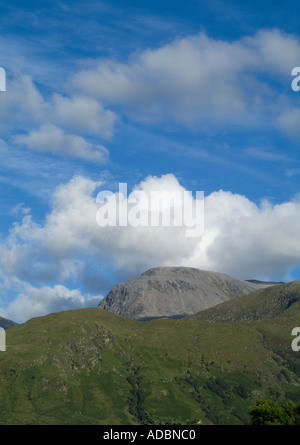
(264, 303)
(267, 412)
(90, 366)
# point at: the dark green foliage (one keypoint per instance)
(267, 412)
(136, 398)
(294, 365)
(241, 390)
(294, 396)
(285, 374)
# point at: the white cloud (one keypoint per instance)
(198, 78)
(289, 123)
(195, 80)
(22, 104)
(58, 125)
(34, 302)
(247, 240)
(276, 50)
(50, 138)
(84, 114)
(20, 208)
(240, 238)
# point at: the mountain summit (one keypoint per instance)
(173, 292)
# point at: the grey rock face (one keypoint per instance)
(173, 292)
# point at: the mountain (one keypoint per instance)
(173, 292)
(91, 366)
(5, 323)
(265, 303)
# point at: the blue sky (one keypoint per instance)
(162, 96)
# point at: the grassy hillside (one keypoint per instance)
(264, 303)
(90, 366)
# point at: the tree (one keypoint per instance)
(267, 412)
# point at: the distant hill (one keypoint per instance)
(173, 292)
(265, 283)
(91, 367)
(6, 324)
(262, 304)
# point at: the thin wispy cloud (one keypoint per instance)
(265, 154)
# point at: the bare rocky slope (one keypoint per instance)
(174, 292)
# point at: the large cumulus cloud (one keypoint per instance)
(240, 238)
